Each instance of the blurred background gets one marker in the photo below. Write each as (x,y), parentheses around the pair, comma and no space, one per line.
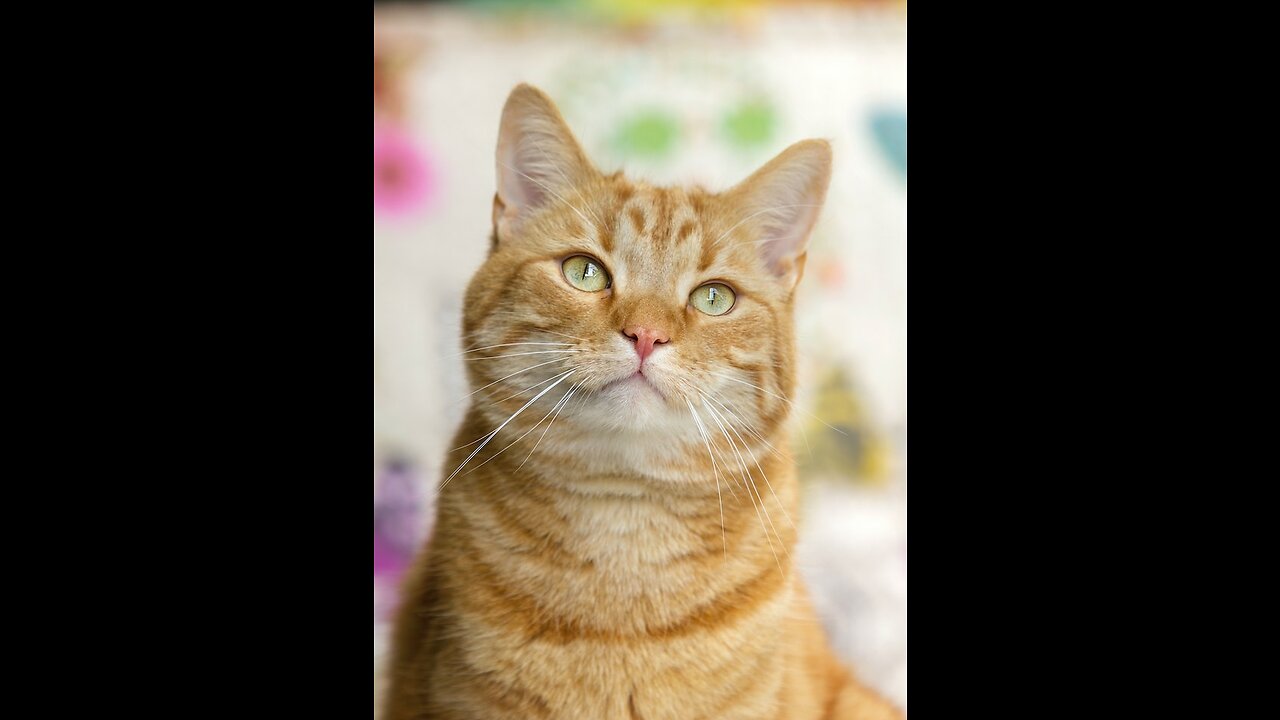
(671,91)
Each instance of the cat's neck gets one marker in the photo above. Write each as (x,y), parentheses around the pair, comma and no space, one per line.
(607,548)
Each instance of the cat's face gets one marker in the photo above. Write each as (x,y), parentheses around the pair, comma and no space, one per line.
(660,312)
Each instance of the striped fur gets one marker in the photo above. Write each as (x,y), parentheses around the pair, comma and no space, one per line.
(619,551)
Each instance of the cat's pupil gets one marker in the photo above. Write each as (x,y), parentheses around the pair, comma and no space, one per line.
(589,271)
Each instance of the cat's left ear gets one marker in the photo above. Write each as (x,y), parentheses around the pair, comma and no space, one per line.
(783,200)
(539,161)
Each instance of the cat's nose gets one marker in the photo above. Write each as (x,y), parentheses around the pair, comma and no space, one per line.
(644,338)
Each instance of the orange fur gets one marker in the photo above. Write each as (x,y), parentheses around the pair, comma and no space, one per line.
(629,555)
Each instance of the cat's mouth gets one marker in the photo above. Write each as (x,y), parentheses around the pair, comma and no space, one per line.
(636,382)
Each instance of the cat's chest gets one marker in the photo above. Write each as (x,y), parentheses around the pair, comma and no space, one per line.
(603,676)
(628,537)
(635,598)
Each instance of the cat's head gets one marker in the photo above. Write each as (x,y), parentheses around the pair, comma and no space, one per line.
(665,310)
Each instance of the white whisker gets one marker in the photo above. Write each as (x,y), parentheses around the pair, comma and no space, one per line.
(697,420)
(490,347)
(526,432)
(748,485)
(747,425)
(571,337)
(768,484)
(496,403)
(528,321)
(521,392)
(494,434)
(520,354)
(518,372)
(564,401)
(766,392)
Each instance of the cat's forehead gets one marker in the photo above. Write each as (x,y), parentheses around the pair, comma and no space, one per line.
(661,234)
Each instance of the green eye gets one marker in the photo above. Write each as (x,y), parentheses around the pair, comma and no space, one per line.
(585,273)
(712,298)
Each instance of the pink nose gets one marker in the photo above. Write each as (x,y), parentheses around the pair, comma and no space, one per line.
(644,338)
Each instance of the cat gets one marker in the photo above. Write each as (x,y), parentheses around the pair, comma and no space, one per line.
(617,521)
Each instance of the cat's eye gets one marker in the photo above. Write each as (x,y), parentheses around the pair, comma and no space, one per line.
(713,298)
(586,273)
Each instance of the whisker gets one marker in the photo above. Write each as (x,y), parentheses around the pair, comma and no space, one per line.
(698,421)
(766,392)
(749,427)
(571,337)
(490,347)
(805,434)
(768,484)
(561,406)
(521,392)
(748,485)
(733,446)
(526,318)
(526,432)
(496,403)
(520,354)
(706,436)
(518,372)
(494,434)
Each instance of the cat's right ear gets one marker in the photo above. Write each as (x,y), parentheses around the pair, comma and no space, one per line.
(539,161)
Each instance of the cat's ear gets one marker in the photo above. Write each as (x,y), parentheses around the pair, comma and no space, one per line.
(539,161)
(783,200)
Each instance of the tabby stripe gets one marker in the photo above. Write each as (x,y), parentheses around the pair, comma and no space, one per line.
(502,606)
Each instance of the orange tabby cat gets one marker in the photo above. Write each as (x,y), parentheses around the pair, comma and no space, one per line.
(615,537)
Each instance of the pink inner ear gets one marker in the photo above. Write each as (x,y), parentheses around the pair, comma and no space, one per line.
(784,237)
(516,190)
(787,194)
(537,157)
(533,194)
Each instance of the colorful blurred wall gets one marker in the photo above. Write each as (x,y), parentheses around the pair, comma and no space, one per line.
(673,92)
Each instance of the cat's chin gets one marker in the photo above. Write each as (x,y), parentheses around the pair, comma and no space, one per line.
(634,387)
(631,403)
